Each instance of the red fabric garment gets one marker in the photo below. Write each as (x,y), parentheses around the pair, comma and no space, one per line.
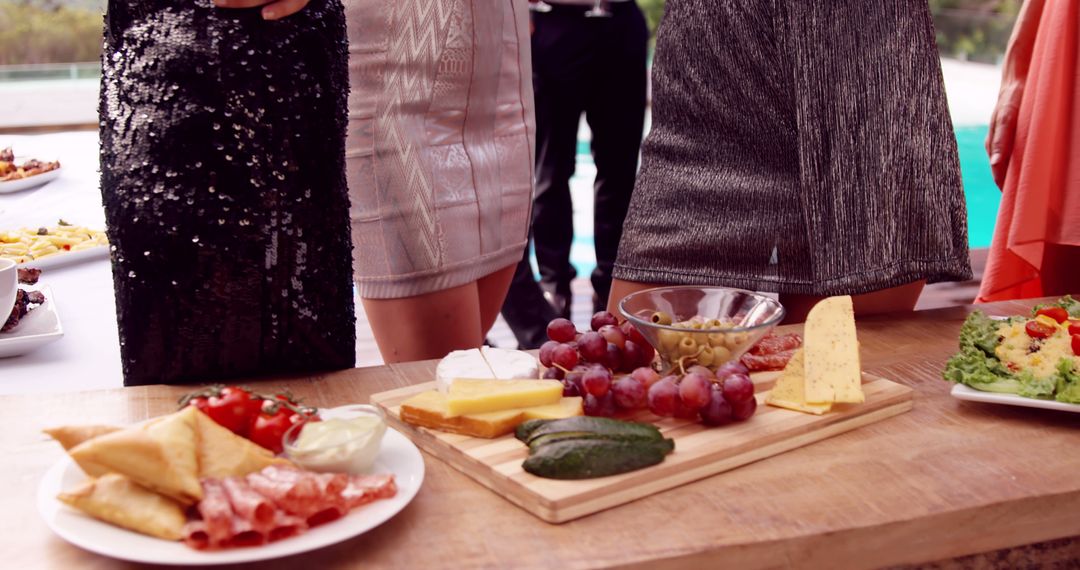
(1040,204)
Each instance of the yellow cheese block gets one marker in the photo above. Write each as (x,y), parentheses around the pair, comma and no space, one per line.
(831,353)
(428,409)
(790,389)
(565,408)
(482,396)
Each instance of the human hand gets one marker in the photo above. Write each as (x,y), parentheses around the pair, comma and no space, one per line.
(272,9)
(1001,137)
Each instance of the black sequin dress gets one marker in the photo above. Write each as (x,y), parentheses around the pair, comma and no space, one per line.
(797,146)
(222,172)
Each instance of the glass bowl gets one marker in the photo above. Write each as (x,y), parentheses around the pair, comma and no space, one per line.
(347,440)
(690,325)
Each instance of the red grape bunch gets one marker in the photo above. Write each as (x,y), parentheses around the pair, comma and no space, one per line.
(586,362)
(715,398)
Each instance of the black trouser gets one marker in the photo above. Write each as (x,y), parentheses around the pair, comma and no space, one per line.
(581,65)
(594,66)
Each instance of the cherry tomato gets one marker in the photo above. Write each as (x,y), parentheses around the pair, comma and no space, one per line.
(1057,313)
(269,426)
(1076,344)
(233,408)
(1074,326)
(202,403)
(1035,329)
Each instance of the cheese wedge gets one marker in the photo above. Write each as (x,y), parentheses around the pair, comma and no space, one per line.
(831,353)
(70,436)
(160,455)
(428,409)
(790,389)
(118,500)
(565,408)
(222,453)
(508,364)
(469,396)
(461,364)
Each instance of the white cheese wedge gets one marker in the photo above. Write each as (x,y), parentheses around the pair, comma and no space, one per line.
(509,364)
(831,353)
(461,364)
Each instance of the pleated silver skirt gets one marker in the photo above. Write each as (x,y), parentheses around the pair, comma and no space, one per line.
(797,147)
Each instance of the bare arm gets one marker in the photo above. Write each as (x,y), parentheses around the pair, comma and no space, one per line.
(1001,137)
(272,9)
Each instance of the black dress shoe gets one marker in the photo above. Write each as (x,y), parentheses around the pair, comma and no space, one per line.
(559,298)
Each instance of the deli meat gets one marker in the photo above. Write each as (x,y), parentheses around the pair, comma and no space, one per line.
(762,362)
(773,344)
(276,503)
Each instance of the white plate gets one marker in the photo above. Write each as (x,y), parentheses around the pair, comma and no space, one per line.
(963,392)
(38,328)
(69,257)
(398,456)
(29,182)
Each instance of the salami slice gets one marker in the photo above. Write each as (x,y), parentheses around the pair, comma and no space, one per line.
(248,503)
(763,362)
(363,489)
(773,344)
(245,533)
(284,525)
(216,512)
(195,535)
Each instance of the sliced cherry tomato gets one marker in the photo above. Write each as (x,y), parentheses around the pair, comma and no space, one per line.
(1035,329)
(1057,313)
(1076,344)
(234,408)
(1074,326)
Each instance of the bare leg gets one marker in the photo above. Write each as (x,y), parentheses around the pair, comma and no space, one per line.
(426,326)
(891,300)
(491,290)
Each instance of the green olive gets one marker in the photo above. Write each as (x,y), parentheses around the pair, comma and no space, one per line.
(669,341)
(720,355)
(660,318)
(716,339)
(687,346)
(706,356)
(735,340)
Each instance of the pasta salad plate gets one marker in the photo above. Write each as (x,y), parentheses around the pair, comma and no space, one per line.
(398,456)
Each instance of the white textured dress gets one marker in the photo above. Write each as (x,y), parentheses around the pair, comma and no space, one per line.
(440,141)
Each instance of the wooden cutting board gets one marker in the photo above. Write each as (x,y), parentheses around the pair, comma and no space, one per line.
(700,451)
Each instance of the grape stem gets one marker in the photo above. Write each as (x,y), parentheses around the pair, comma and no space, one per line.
(685,356)
(565,371)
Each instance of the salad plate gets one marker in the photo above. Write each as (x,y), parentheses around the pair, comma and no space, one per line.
(398,455)
(961,392)
(30,182)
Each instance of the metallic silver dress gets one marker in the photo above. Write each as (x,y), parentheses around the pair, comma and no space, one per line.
(797,147)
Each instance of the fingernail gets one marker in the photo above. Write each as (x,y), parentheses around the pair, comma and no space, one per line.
(221,3)
(269,15)
(995,158)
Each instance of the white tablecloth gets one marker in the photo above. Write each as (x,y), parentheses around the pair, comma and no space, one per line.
(88,357)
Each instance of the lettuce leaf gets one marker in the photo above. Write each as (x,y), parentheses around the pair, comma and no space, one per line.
(976,365)
(1067,302)
(1068,386)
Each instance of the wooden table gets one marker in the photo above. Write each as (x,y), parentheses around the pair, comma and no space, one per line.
(947,479)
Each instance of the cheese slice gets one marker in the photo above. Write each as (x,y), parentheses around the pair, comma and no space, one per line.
(428,409)
(831,353)
(508,364)
(565,408)
(461,364)
(469,396)
(790,389)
